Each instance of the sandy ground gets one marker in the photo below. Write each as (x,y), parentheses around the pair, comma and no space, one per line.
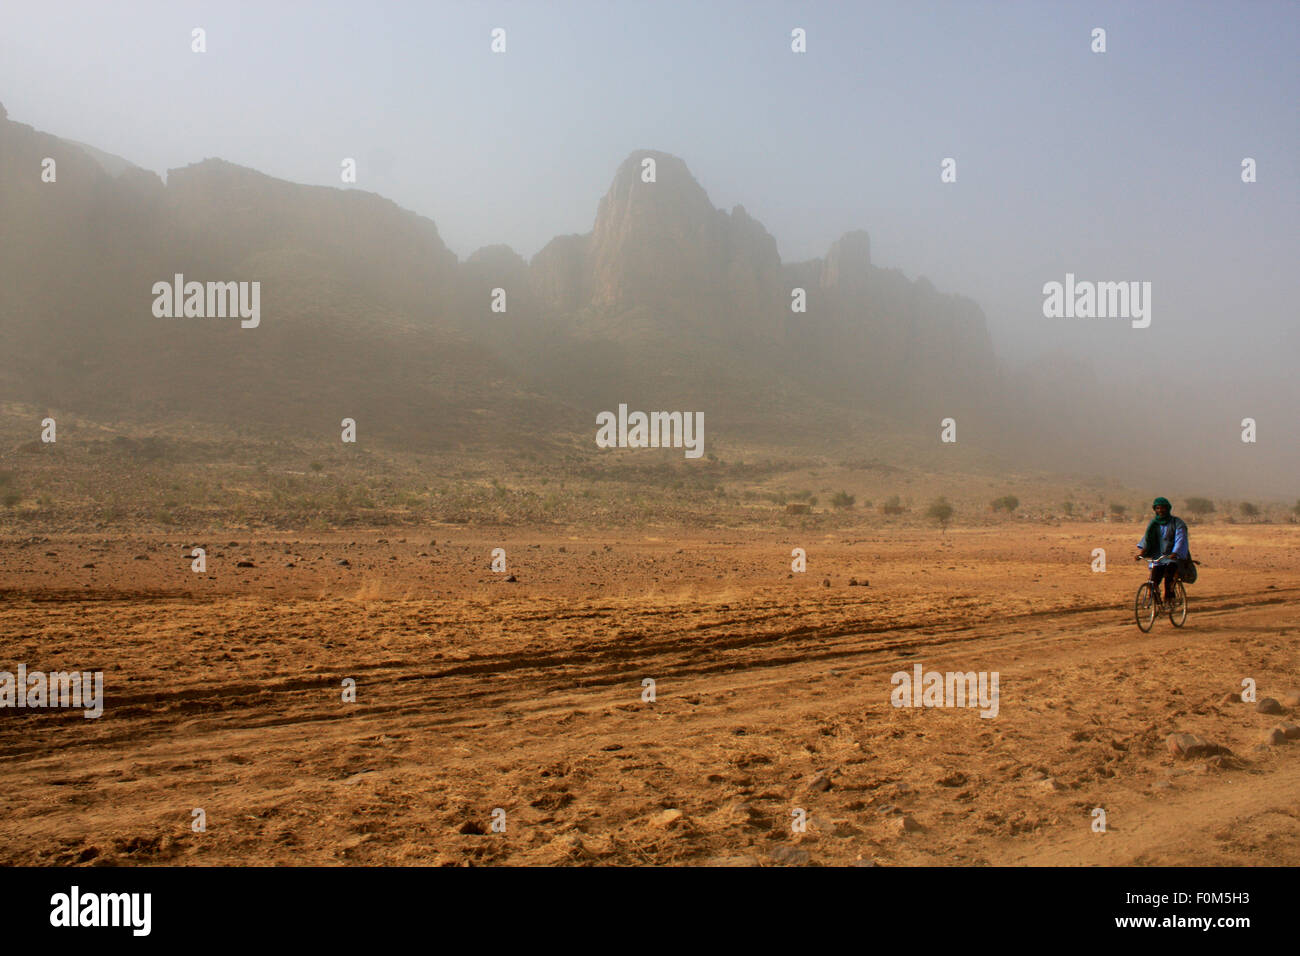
(223,691)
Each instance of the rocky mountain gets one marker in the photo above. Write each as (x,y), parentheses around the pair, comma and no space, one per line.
(668,303)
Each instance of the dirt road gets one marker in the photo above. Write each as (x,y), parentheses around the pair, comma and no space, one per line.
(224,692)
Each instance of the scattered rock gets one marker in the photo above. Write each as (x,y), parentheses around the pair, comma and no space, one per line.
(245,564)
(512,579)
(907,824)
(1227,700)
(1291,698)
(1292,731)
(1274,737)
(1051,785)
(91,565)
(826,582)
(1268,705)
(343,563)
(141,557)
(472,827)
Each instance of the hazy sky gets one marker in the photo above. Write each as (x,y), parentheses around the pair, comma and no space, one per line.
(1116,166)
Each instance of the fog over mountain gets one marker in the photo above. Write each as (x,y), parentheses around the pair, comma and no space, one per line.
(667,302)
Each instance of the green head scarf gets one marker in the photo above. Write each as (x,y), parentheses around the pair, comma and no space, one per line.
(1165,502)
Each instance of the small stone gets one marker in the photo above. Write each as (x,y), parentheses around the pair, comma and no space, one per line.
(819,782)
(826,582)
(245,564)
(472,827)
(343,563)
(512,579)
(1292,731)
(141,557)
(853,582)
(1291,698)
(1274,737)
(1227,700)
(1189,745)
(907,824)
(1051,785)
(666,819)
(91,565)
(1268,705)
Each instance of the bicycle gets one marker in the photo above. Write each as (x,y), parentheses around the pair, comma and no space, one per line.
(1148,605)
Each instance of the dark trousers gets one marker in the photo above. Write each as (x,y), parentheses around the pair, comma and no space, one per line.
(1166,573)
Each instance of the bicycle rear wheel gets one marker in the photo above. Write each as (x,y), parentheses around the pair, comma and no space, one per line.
(1178,608)
(1144,607)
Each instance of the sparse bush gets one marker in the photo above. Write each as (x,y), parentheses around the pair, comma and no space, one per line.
(6,479)
(842,499)
(1200,506)
(892,506)
(1248,510)
(11,499)
(317,467)
(940,511)
(1007,503)
(1118,509)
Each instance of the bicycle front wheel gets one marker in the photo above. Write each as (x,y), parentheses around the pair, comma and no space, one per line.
(1178,608)
(1144,607)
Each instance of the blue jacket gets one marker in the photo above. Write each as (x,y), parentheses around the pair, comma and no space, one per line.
(1174,540)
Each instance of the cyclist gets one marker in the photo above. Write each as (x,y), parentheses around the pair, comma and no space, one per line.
(1165,540)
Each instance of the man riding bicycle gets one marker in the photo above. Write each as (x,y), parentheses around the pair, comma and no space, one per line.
(1166,541)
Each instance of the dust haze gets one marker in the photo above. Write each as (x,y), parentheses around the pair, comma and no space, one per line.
(498,357)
